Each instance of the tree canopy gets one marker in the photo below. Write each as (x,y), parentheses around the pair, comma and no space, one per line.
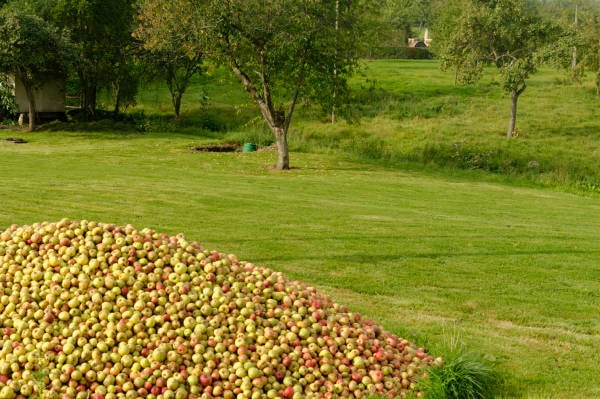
(283,49)
(100,30)
(173,41)
(508,34)
(32,50)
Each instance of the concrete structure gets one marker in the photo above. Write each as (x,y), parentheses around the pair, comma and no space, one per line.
(50,99)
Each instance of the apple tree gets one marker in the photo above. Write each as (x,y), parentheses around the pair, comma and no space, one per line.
(31,50)
(578,49)
(283,50)
(507,34)
(453,48)
(173,41)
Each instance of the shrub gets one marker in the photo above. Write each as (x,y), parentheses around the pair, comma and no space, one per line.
(8,107)
(467,376)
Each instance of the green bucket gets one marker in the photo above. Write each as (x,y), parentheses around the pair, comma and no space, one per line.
(249,147)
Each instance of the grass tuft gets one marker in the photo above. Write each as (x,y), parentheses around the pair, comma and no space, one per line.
(463,373)
(466,376)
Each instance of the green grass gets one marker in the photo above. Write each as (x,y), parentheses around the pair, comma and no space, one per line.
(411,115)
(408,114)
(513,269)
(467,376)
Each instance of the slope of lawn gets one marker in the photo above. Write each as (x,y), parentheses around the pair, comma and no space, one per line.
(408,114)
(513,272)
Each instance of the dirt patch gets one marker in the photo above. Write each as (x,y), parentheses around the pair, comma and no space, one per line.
(270,148)
(16,140)
(217,148)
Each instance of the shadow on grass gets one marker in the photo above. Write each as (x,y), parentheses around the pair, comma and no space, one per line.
(360,257)
(205,122)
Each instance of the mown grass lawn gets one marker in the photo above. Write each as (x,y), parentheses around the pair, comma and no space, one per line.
(513,271)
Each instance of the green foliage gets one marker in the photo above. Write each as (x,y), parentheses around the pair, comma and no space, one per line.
(576,48)
(125,85)
(173,43)
(33,51)
(7,98)
(285,50)
(301,52)
(506,33)
(461,373)
(465,376)
(31,48)
(391,23)
(455,48)
(101,31)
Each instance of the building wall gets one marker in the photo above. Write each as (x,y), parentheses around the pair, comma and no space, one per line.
(49,98)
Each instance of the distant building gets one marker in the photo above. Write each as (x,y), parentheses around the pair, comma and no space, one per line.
(425,42)
(50,99)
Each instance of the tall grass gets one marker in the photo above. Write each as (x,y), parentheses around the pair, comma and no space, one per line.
(462,374)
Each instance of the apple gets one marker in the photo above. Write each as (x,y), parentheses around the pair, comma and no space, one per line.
(112,311)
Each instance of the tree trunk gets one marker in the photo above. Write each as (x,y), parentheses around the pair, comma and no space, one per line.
(598,81)
(32,115)
(176,100)
(31,103)
(514,98)
(117,92)
(574,60)
(283,157)
(277,119)
(89,100)
(177,87)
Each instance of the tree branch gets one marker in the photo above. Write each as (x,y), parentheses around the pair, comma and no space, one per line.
(288,117)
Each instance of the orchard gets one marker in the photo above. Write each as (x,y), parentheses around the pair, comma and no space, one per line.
(93,310)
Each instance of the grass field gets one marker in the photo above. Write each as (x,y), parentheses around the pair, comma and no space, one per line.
(408,114)
(513,270)
(412,115)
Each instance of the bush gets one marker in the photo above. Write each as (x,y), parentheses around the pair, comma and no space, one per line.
(467,376)
(8,107)
(462,374)
(399,52)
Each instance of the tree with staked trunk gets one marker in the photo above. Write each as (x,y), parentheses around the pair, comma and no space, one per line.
(282,50)
(32,50)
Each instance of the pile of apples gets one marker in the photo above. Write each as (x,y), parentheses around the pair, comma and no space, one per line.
(100,311)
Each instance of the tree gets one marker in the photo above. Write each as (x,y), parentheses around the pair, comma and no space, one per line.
(32,50)
(171,34)
(455,49)
(408,13)
(580,38)
(283,49)
(101,33)
(505,33)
